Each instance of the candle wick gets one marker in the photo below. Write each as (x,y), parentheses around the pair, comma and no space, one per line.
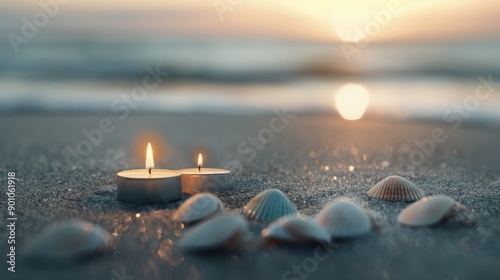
(199,169)
(150,171)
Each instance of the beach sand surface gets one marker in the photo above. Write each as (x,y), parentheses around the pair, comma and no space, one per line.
(313,159)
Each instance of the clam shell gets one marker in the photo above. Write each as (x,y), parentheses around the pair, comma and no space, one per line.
(344,219)
(396,188)
(429,211)
(198,207)
(224,232)
(68,242)
(269,205)
(295,230)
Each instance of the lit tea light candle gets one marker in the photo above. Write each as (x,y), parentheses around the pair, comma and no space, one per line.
(149,185)
(202,179)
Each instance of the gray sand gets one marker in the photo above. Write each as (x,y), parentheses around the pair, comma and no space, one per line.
(465,167)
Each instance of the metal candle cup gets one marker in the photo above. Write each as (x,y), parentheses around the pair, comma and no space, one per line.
(141,187)
(205,180)
(196,180)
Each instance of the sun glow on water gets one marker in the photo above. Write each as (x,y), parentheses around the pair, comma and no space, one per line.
(352,101)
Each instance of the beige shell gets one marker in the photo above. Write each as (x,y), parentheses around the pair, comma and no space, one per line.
(295,230)
(269,205)
(429,211)
(396,188)
(344,219)
(198,207)
(67,242)
(223,232)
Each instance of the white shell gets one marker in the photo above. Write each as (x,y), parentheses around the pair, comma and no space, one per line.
(344,219)
(198,207)
(223,232)
(269,205)
(295,230)
(429,211)
(396,188)
(68,242)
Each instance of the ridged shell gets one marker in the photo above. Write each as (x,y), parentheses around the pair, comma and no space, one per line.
(198,207)
(295,230)
(269,205)
(344,219)
(429,211)
(396,188)
(68,242)
(224,232)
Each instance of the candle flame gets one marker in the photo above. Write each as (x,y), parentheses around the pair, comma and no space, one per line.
(200,161)
(149,157)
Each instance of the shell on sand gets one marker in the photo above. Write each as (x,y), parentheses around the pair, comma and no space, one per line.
(198,207)
(429,211)
(396,188)
(223,232)
(344,219)
(269,205)
(295,230)
(68,242)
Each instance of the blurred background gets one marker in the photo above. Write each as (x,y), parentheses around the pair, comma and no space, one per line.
(380,58)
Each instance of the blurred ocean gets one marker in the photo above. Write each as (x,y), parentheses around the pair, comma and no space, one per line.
(88,73)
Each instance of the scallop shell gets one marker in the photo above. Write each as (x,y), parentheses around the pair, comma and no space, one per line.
(344,219)
(269,205)
(68,242)
(295,230)
(429,211)
(224,232)
(198,207)
(396,188)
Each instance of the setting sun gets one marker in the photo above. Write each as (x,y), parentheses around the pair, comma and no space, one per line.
(345,20)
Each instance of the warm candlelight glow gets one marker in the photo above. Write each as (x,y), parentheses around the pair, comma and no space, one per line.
(351,101)
(149,157)
(200,161)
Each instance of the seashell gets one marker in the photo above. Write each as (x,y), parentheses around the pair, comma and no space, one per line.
(269,205)
(429,211)
(295,230)
(68,242)
(224,232)
(396,188)
(198,207)
(344,219)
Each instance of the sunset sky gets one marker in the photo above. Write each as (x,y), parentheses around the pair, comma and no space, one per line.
(299,19)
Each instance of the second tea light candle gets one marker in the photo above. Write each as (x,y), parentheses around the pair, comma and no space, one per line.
(201,179)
